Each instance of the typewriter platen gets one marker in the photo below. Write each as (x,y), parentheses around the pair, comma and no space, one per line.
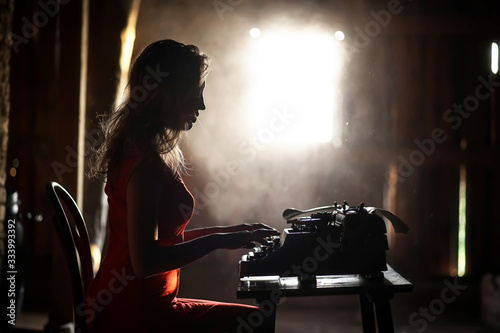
(340,240)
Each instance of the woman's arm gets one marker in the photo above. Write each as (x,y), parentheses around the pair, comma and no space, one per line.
(200,232)
(147,256)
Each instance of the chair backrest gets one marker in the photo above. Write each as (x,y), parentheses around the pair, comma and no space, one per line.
(72,231)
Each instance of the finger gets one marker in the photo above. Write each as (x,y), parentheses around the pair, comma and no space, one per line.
(263,241)
(267,232)
(249,245)
(253,226)
(260,237)
(263,226)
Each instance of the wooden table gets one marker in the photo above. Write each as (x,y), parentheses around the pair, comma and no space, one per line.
(374,295)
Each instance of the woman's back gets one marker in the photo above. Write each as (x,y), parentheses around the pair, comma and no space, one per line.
(116,289)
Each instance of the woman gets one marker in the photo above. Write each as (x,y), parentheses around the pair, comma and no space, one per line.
(135,289)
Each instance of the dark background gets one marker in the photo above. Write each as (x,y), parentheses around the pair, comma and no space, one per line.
(398,87)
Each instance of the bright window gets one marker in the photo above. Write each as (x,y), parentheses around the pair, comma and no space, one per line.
(297,72)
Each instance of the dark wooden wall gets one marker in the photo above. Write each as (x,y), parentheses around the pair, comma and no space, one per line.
(45,91)
(45,84)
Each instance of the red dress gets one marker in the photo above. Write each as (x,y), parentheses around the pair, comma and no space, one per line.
(118,301)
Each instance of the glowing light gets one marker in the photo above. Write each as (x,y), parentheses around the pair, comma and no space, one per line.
(296,75)
(255,33)
(95,252)
(494,58)
(462,221)
(82,103)
(128,39)
(339,35)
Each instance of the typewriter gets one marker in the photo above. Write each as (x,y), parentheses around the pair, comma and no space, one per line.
(332,240)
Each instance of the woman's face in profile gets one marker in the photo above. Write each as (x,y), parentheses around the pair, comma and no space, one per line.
(190,109)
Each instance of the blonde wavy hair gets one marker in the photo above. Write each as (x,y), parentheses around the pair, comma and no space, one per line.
(147,122)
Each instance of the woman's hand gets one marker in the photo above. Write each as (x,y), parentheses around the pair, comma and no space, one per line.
(245,239)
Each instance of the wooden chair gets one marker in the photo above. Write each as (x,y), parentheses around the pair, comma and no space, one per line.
(72,232)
